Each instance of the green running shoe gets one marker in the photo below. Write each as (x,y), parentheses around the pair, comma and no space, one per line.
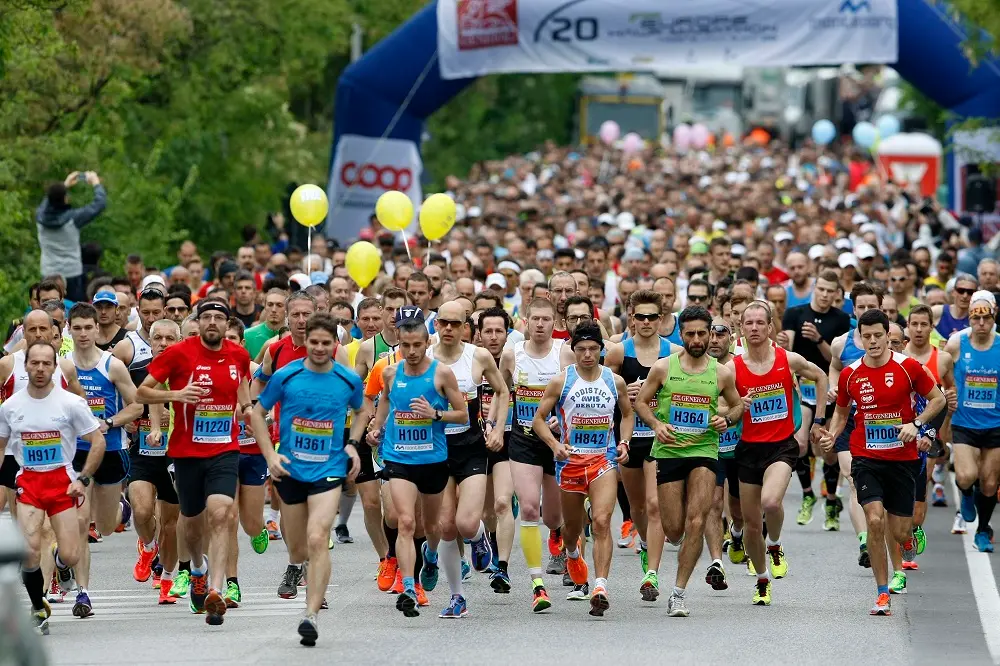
(650,587)
(259,542)
(832,521)
(918,534)
(182,581)
(644,560)
(898,583)
(806,512)
(233,596)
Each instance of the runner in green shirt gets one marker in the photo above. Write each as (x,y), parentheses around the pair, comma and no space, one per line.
(271,322)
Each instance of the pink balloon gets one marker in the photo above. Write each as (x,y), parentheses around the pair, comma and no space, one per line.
(609,132)
(682,137)
(632,143)
(699,136)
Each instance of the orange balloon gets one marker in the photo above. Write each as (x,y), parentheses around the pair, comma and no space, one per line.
(727,140)
(760,136)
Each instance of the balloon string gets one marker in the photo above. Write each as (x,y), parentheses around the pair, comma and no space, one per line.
(406,244)
(309,250)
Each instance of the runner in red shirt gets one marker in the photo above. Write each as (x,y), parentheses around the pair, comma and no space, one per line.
(209,390)
(886,438)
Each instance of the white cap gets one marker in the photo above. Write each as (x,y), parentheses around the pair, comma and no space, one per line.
(606,218)
(787,216)
(625,221)
(153,279)
(719,225)
(983,295)
(300,279)
(859,218)
(865,251)
(816,251)
(783,236)
(843,244)
(848,259)
(474,211)
(868,227)
(496,280)
(704,181)
(738,250)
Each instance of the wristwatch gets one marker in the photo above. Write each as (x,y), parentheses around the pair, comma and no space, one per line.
(437,415)
(918,424)
(490,422)
(84,479)
(729,422)
(110,422)
(819,420)
(353,442)
(624,443)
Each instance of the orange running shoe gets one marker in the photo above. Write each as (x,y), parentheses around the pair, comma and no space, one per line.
(387,569)
(577,568)
(93,536)
(421,595)
(273,530)
(397,584)
(627,539)
(910,565)
(215,607)
(156,579)
(143,568)
(165,597)
(555,544)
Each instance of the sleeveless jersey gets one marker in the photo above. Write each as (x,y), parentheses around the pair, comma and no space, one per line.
(851,351)
(674,336)
(632,371)
(976,381)
(688,403)
(119,336)
(531,376)
(18,378)
(382,348)
(948,324)
(486,400)
(103,399)
(140,447)
(410,438)
(770,418)
(586,412)
(141,351)
(470,432)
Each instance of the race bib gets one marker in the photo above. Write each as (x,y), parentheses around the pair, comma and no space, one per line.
(528,399)
(882,431)
(639,429)
(42,448)
(244,438)
(770,405)
(689,413)
(146,449)
(413,432)
(96,407)
(808,389)
(980,392)
(588,435)
(729,439)
(213,424)
(311,440)
(487,399)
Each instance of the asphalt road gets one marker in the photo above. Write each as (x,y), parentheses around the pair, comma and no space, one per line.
(819,613)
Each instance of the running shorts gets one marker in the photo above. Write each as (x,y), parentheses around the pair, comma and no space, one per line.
(293,491)
(430,479)
(114,467)
(576,477)
(892,482)
(45,491)
(252,469)
(671,470)
(988,438)
(8,472)
(467,460)
(639,450)
(199,478)
(153,470)
(754,458)
(532,453)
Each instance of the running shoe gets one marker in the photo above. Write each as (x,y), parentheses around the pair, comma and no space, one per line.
(959,526)
(165,598)
(762,592)
(751,569)
(921,539)
(41,618)
(737,551)
(387,573)
(779,563)
(599,601)
(967,507)
(182,583)
(982,542)
(430,572)
(82,608)
(938,498)
(567,580)
(143,568)
(343,534)
(56,594)
(233,596)
(832,521)
(882,605)
(864,559)
(500,581)
(806,510)
(259,542)
(457,609)
(67,577)
(397,584)
(93,536)
(466,569)
(515,506)
(909,549)
(215,608)
(644,560)
(716,577)
(628,535)
(910,565)
(273,530)
(539,597)
(199,591)
(650,586)
(579,593)
(308,633)
(157,574)
(406,603)
(937,474)
(555,544)
(482,552)
(577,569)
(421,596)
(676,606)
(289,586)
(898,583)
(557,563)
(126,511)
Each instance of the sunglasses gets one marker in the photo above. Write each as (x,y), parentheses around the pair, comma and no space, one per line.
(448,323)
(899,279)
(721,329)
(645,317)
(965,292)
(178,308)
(698,299)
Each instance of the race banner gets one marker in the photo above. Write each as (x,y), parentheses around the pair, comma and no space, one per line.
(363,169)
(479,37)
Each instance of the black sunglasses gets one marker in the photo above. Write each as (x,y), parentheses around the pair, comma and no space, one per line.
(646,317)
(721,329)
(446,323)
(698,299)
(964,291)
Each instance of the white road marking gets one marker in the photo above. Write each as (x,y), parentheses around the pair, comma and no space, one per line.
(984,587)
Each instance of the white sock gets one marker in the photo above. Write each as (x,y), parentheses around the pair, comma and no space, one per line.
(450,560)
(346,506)
(601,582)
(272,514)
(573,554)
(735,533)
(772,543)
(480,532)
(678,592)
(149,547)
(643,544)
(167,575)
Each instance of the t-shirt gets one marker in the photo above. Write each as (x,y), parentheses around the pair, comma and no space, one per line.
(374,383)
(883,397)
(792,300)
(830,324)
(256,337)
(207,428)
(42,433)
(248,319)
(313,406)
(775,275)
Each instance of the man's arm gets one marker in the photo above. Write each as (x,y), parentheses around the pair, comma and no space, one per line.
(447,385)
(123,382)
(566,357)
(262,375)
(654,381)
(614,357)
(124,351)
(807,370)
(364,360)
(549,399)
(96,453)
(625,407)
(85,214)
(72,380)
(836,367)
(501,394)
(727,387)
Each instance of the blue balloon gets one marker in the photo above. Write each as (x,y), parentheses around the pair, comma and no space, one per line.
(823,132)
(864,134)
(888,126)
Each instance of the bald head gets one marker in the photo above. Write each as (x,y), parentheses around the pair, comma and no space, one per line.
(38,325)
(452,310)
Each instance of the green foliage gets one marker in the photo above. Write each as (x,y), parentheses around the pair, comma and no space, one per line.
(924,107)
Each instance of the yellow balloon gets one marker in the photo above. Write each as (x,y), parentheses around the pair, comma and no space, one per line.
(394,210)
(309,205)
(363,263)
(437,216)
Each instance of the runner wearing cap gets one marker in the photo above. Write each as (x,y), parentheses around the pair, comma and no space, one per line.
(109,333)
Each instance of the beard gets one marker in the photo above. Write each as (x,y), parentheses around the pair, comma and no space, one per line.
(696,352)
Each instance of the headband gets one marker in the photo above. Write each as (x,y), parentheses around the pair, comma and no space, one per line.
(213,306)
(589,333)
(508,265)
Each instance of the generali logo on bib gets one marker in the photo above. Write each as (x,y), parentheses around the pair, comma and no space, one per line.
(483,24)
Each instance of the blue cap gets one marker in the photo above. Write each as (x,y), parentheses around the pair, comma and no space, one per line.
(319,277)
(105,297)
(409,314)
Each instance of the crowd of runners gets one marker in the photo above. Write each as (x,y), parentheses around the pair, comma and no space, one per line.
(678,340)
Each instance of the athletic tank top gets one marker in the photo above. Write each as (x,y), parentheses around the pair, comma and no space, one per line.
(770,418)
(851,351)
(976,381)
(586,414)
(103,399)
(486,394)
(674,336)
(948,324)
(140,447)
(411,438)
(119,336)
(462,434)
(18,380)
(688,403)
(382,348)
(919,401)
(141,351)
(531,376)
(632,371)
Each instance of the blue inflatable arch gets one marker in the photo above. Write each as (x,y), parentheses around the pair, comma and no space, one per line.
(372,93)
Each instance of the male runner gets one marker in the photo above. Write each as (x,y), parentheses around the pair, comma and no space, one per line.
(270,322)
(135,349)
(950,319)
(528,367)
(386,341)
(42,424)
(975,425)
(586,396)
(687,423)
(109,333)
(415,449)
(461,508)
(768,449)
(315,394)
(885,440)
(209,389)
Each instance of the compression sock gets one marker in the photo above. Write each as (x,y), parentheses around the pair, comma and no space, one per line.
(984,509)
(451,562)
(802,470)
(831,474)
(391,533)
(418,547)
(531,546)
(34,583)
(346,506)
(623,502)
